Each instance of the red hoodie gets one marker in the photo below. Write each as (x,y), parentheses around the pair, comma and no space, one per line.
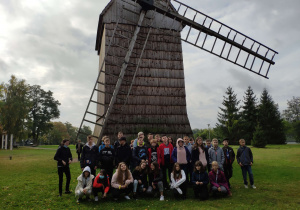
(97,184)
(161,153)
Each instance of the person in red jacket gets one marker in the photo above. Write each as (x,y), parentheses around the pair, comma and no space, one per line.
(164,153)
(101,184)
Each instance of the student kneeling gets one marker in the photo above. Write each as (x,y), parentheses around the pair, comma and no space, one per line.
(84,186)
(156,180)
(200,181)
(178,183)
(101,184)
(140,182)
(121,182)
(218,182)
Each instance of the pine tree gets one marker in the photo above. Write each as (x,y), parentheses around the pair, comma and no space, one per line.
(259,139)
(270,120)
(229,117)
(249,114)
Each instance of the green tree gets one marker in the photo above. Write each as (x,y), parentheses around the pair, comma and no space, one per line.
(292,116)
(14,107)
(72,131)
(86,130)
(43,109)
(57,133)
(249,114)
(229,117)
(259,139)
(270,120)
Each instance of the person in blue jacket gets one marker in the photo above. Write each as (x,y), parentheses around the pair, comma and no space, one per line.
(200,181)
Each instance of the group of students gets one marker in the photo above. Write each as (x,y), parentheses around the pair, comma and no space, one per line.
(143,169)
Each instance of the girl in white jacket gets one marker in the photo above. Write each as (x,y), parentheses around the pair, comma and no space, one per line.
(178,182)
(85,184)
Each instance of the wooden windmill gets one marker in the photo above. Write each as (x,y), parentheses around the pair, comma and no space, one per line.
(140,85)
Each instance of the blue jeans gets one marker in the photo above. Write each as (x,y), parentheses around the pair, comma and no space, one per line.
(248,169)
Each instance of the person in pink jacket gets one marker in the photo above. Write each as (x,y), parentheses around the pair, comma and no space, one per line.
(121,182)
(218,182)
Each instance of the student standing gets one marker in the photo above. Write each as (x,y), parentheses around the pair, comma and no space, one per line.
(189,167)
(164,154)
(215,153)
(117,143)
(152,152)
(101,184)
(229,159)
(121,182)
(140,136)
(106,158)
(89,156)
(200,181)
(181,155)
(140,182)
(63,156)
(244,158)
(84,186)
(200,153)
(178,183)
(79,148)
(139,153)
(156,180)
(123,152)
(218,182)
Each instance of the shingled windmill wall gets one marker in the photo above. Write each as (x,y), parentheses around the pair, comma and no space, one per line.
(157,102)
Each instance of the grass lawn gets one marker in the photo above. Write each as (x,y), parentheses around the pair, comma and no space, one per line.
(30,181)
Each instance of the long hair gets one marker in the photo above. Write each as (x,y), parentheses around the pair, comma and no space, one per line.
(156,168)
(177,174)
(103,181)
(120,173)
(199,163)
(63,142)
(139,168)
(196,145)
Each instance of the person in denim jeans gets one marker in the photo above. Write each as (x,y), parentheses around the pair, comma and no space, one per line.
(245,160)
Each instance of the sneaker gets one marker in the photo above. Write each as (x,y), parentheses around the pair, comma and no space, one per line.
(246,186)
(78,200)
(162,198)
(68,192)
(96,198)
(127,197)
(253,186)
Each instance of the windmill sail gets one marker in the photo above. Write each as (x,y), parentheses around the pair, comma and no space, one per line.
(209,34)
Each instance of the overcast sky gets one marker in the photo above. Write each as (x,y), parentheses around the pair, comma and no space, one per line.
(51,43)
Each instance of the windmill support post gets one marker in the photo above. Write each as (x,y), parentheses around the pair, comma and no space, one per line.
(11,141)
(6,138)
(3,141)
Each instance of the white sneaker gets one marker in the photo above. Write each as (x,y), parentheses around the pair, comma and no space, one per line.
(127,197)
(96,198)
(162,198)
(253,186)
(246,186)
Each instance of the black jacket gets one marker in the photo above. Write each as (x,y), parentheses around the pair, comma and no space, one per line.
(79,148)
(63,154)
(230,160)
(89,156)
(123,154)
(155,178)
(137,175)
(107,157)
(200,177)
(195,155)
(244,156)
(139,154)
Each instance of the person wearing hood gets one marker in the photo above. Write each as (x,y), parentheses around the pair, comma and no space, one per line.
(63,156)
(84,186)
(218,182)
(123,152)
(181,155)
(121,182)
(89,156)
(216,154)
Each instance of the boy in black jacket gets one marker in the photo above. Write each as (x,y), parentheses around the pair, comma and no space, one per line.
(123,152)
(89,156)
(244,158)
(106,158)
(229,159)
(139,153)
